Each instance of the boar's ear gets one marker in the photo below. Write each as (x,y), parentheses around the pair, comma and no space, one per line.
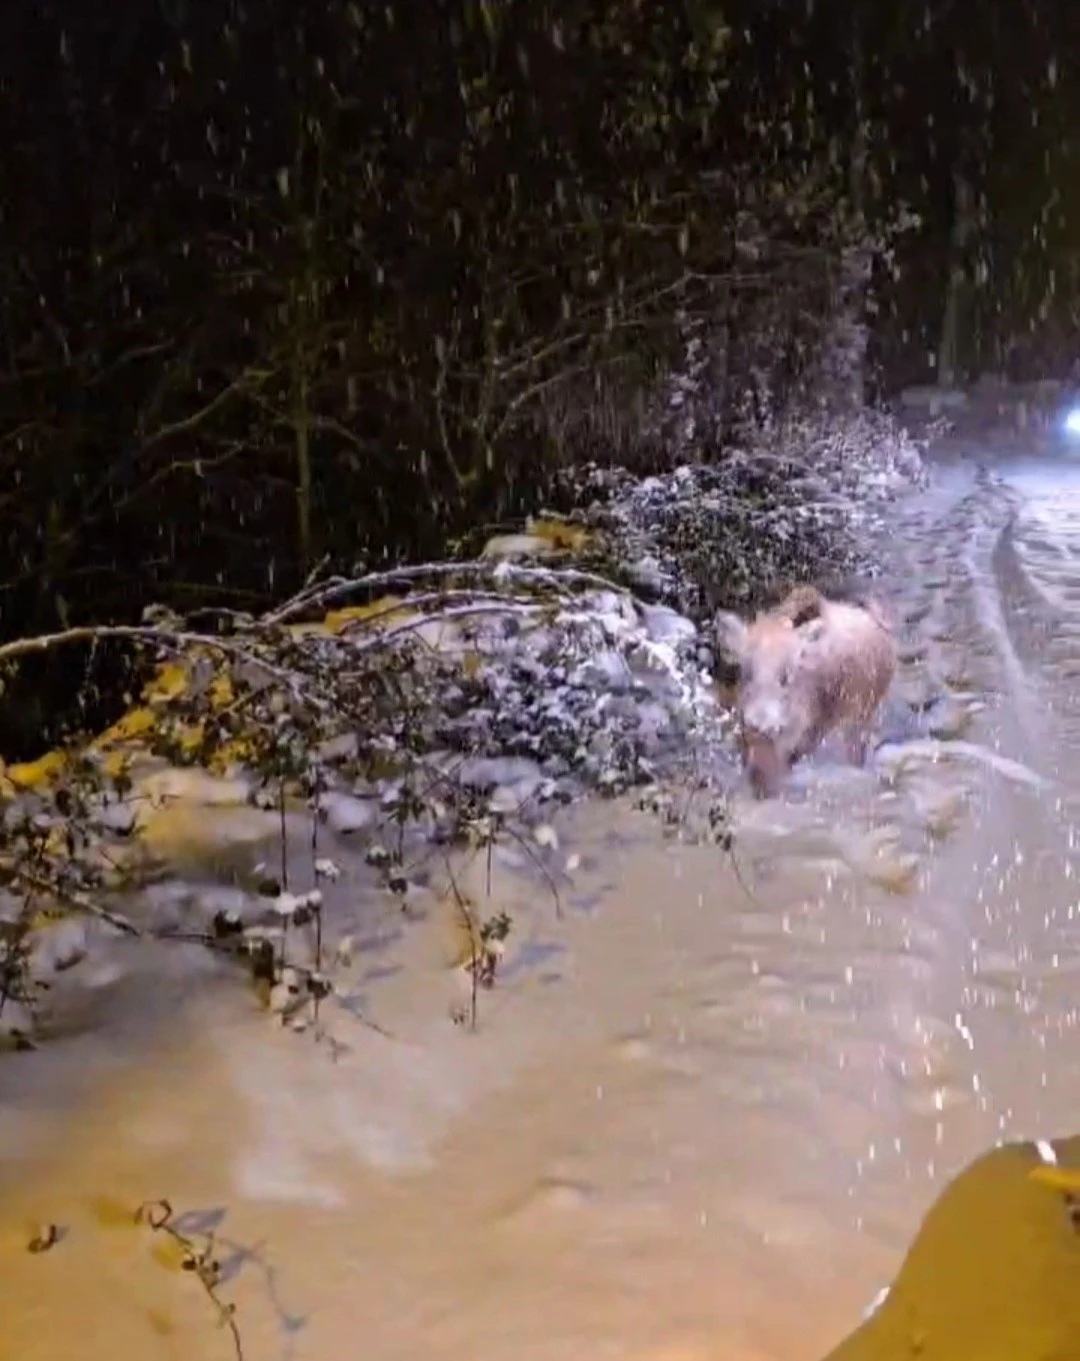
(801,604)
(729,636)
(813,630)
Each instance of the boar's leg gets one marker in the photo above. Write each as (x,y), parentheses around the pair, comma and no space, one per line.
(857,743)
(814,734)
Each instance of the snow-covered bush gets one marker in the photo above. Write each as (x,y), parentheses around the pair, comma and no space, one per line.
(439,722)
(800,503)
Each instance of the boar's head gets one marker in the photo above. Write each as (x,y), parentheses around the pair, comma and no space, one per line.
(779,698)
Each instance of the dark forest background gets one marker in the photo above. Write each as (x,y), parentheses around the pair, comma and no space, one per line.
(356,279)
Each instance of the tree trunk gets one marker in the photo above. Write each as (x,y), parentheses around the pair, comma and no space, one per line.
(857,171)
(948,357)
(302,435)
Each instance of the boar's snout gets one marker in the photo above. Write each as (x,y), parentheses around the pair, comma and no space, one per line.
(764,763)
(765,714)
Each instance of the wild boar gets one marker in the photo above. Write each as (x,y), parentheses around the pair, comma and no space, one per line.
(806,667)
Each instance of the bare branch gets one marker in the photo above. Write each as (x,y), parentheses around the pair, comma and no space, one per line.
(340,588)
(196,419)
(176,641)
(79,901)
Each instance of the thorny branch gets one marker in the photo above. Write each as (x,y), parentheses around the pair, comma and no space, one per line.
(199,1261)
(291,691)
(331,592)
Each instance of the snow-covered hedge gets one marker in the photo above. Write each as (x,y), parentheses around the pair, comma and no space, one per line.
(800,503)
(442,721)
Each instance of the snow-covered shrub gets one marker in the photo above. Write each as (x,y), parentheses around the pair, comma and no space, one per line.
(466,711)
(800,503)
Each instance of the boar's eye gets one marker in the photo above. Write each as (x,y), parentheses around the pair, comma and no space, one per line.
(785,675)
